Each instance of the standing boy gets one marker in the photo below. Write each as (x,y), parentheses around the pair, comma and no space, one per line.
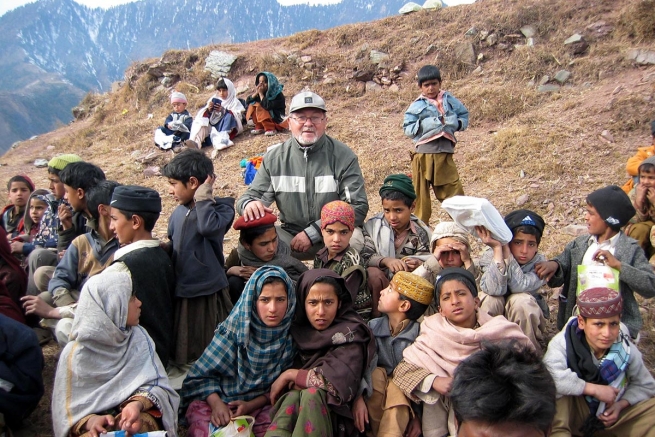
(608,209)
(196,230)
(395,239)
(431,121)
(602,382)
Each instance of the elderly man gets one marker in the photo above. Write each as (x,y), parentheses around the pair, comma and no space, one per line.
(304,173)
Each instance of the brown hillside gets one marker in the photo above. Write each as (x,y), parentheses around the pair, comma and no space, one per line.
(520,141)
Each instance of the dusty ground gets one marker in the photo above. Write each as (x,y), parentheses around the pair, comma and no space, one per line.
(547,146)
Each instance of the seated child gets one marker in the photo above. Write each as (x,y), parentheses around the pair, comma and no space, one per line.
(394,239)
(40,224)
(88,255)
(426,372)
(602,382)
(509,285)
(177,126)
(608,209)
(220,119)
(337,226)
(14,279)
(450,248)
(259,245)
(109,376)
(19,189)
(643,200)
(381,402)
(632,166)
(266,107)
(431,121)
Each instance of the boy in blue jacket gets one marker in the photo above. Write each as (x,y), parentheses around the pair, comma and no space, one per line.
(431,121)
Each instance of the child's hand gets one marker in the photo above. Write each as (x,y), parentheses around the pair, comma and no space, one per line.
(17,247)
(130,417)
(97,425)
(650,195)
(412,263)
(239,408)
(283,382)
(442,384)
(603,393)
(244,272)
(36,305)
(486,237)
(606,257)
(546,269)
(65,216)
(393,264)
(210,179)
(360,414)
(413,428)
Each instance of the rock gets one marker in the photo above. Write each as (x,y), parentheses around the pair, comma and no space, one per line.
(472,31)
(151,171)
(600,28)
(484,34)
(522,200)
(155,71)
(50,147)
(378,57)
(535,186)
(329,81)
(531,83)
(562,76)
(575,38)
(530,42)
(492,39)
(40,163)
(309,65)
(242,89)
(372,86)
(409,8)
(429,49)
(551,206)
(34,137)
(618,89)
(528,31)
(432,4)
(544,80)
(478,70)
(574,230)
(398,68)
(117,86)
(356,89)
(578,48)
(641,56)
(394,88)
(79,112)
(363,75)
(480,57)
(503,46)
(521,174)
(465,53)
(385,81)
(548,88)
(306,58)
(219,63)
(607,136)
(15,145)
(166,81)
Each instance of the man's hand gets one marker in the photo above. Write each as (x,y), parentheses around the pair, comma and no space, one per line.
(394,264)
(360,413)
(301,242)
(65,216)
(546,269)
(254,210)
(36,305)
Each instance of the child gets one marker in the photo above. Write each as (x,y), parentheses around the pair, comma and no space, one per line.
(602,382)
(196,230)
(383,405)
(632,166)
(177,125)
(394,239)
(220,119)
(40,224)
(608,209)
(134,213)
(509,285)
(19,189)
(88,255)
(266,106)
(431,121)
(426,372)
(337,226)
(643,200)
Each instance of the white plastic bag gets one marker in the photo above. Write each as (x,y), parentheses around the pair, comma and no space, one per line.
(220,140)
(238,427)
(470,212)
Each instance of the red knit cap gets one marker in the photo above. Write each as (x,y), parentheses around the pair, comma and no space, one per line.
(338,211)
(267,220)
(600,303)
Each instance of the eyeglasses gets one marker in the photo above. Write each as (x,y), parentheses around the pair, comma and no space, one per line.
(302,119)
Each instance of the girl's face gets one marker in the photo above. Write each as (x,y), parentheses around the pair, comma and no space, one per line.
(262,83)
(457,304)
(37,209)
(272,304)
(222,93)
(321,305)
(133,311)
(19,193)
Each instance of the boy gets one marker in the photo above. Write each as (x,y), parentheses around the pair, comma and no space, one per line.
(196,230)
(608,209)
(431,121)
(643,200)
(19,189)
(509,285)
(602,382)
(134,212)
(381,402)
(177,126)
(632,166)
(394,239)
(88,255)
(337,226)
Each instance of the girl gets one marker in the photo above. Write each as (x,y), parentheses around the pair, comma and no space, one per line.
(40,224)
(266,106)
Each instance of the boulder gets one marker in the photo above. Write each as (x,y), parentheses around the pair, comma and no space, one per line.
(492,39)
(472,31)
(544,79)
(155,71)
(575,38)
(548,88)
(409,8)
(329,81)
(574,230)
(529,31)
(378,57)
(607,136)
(562,76)
(372,86)
(465,53)
(522,200)
(641,56)
(363,75)
(219,63)
(432,4)
(40,163)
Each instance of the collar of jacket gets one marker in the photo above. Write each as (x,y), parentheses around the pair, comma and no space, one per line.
(308,150)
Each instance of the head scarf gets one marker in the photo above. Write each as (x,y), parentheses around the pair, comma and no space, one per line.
(274,86)
(49,223)
(338,211)
(245,356)
(340,353)
(231,103)
(107,361)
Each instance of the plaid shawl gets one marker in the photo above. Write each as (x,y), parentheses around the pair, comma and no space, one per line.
(245,356)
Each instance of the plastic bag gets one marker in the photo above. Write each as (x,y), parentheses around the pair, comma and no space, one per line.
(238,427)
(597,276)
(220,140)
(470,212)
(250,173)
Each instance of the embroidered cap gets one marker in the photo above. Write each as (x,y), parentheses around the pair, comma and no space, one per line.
(338,211)
(600,303)
(307,99)
(414,287)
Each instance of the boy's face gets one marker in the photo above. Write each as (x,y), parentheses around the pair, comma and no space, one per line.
(600,333)
(264,247)
(430,88)
(19,193)
(37,209)
(181,192)
(222,93)
(75,198)
(523,247)
(647,178)
(179,107)
(457,304)
(449,258)
(390,301)
(397,213)
(56,186)
(123,228)
(595,224)
(336,237)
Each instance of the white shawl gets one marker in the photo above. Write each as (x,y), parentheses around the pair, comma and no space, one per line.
(106,361)
(231,103)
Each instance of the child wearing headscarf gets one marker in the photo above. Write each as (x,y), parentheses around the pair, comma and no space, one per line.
(177,125)
(41,224)
(267,106)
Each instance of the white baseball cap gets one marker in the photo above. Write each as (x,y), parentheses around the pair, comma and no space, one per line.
(307,99)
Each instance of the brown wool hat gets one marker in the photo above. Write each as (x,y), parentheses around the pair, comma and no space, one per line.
(414,287)
(267,220)
(600,303)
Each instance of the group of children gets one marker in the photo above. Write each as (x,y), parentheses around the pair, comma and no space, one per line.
(129,309)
